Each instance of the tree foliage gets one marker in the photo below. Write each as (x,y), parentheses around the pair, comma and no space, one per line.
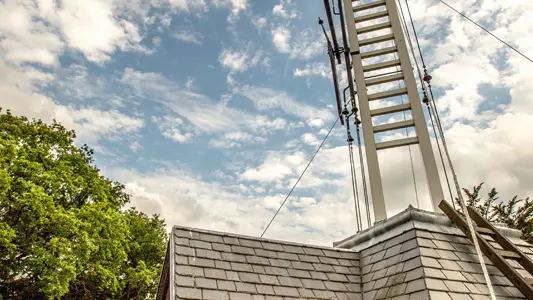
(64,230)
(516,213)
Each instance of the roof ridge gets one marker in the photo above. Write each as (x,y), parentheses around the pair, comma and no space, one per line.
(241,236)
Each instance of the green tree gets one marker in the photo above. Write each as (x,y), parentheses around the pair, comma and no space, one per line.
(516,213)
(64,229)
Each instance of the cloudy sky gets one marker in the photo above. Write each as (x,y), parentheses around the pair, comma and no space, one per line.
(208,110)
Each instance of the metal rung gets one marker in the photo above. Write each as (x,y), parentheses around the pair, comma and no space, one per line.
(390,109)
(384,79)
(373,28)
(378,52)
(379,14)
(396,143)
(387,94)
(394,126)
(369,5)
(508,254)
(382,65)
(375,40)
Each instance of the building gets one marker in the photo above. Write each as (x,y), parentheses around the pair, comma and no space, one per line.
(413,255)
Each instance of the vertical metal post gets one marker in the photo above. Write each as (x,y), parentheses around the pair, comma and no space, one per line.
(428,157)
(376,187)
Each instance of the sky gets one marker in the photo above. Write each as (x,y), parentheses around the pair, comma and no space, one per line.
(208,110)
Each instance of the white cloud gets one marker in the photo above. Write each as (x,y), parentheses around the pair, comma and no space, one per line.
(189,36)
(281,38)
(240,60)
(313,69)
(281,10)
(235,6)
(316,123)
(236,139)
(267,98)
(173,128)
(259,22)
(310,139)
(308,44)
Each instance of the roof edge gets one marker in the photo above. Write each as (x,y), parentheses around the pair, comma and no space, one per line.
(240,236)
(417,217)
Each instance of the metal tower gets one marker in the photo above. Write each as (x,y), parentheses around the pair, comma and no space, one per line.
(373,19)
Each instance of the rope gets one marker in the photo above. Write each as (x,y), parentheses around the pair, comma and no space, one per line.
(424,90)
(409,147)
(454,175)
(365,192)
(301,175)
(487,31)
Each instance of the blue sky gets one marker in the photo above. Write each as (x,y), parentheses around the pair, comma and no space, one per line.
(208,110)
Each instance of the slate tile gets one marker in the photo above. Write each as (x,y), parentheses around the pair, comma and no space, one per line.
(276,271)
(266,253)
(241,267)
(456,296)
(182,250)
(430,262)
(449,265)
(240,296)
(306,293)
(411,254)
(456,286)
(230,240)
(439,295)
(249,277)
(205,283)
(201,262)
(211,238)
(288,256)
(353,287)
(313,284)
(200,244)
(184,280)
(412,264)
(397,290)
(250,243)
(454,275)
(290,281)
(313,251)
(225,285)
(414,274)
(242,250)
(258,260)
(189,293)
(280,263)
(415,286)
(272,246)
(336,277)
(293,249)
(245,287)
(215,273)
(314,259)
(341,269)
(429,252)
(268,279)
(425,243)
(447,254)
(396,279)
(323,268)
(232,275)
(380,283)
(208,254)
(258,269)
(421,295)
(219,264)
(324,294)
(335,286)
(186,233)
(299,273)
(189,270)
(233,257)
(332,253)
(434,273)
(181,260)
(328,260)
(265,289)
(221,247)
(286,291)
(215,295)
(435,284)
(342,262)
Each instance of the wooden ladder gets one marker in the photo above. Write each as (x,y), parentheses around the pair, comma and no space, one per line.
(497,257)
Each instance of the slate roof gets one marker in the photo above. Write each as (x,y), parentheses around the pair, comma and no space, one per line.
(215,265)
(415,255)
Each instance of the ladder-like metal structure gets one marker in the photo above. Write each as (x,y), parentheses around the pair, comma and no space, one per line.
(497,256)
(387,12)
